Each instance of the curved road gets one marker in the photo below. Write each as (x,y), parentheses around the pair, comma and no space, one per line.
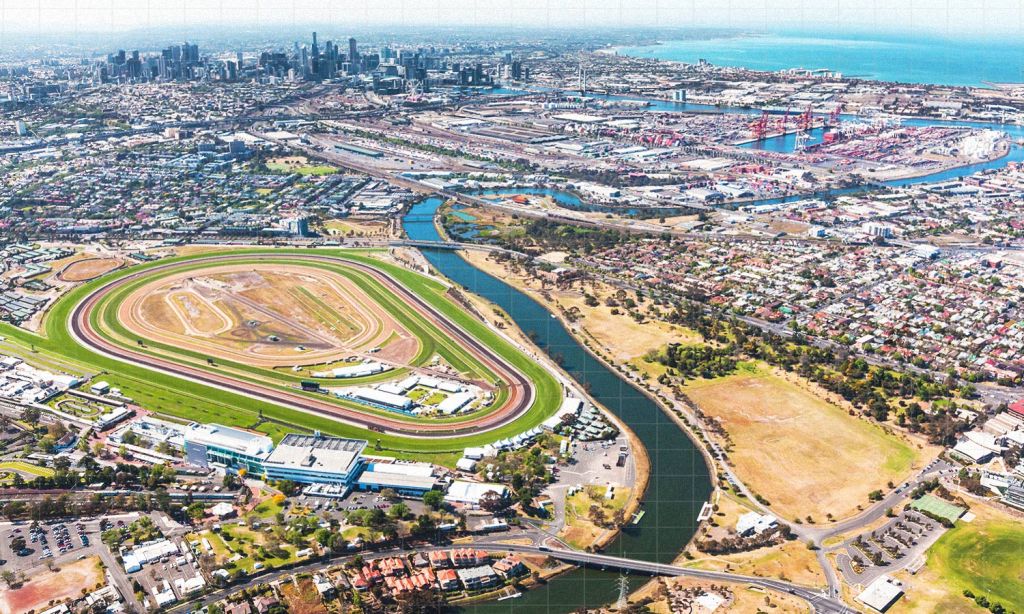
(521,389)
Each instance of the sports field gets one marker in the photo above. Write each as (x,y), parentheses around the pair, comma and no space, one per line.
(115,319)
(985,556)
(938,507)
(801,453)
(300,165)
(444,329)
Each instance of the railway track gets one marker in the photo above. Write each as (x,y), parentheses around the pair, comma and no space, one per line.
(521,390)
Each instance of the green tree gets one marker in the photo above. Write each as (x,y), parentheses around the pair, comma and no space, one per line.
(196,511)
(323,536)
(434,499)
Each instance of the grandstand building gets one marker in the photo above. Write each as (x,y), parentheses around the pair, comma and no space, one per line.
(315,459)
(214,445)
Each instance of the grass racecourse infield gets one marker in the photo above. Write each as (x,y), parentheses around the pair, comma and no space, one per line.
(173,396)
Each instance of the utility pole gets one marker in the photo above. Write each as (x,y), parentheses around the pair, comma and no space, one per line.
(622,601)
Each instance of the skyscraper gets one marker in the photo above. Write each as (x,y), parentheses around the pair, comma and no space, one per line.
(314,60)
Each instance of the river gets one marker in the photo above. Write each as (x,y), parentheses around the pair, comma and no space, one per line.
(679,481)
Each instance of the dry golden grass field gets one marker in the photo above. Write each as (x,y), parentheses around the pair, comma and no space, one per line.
(806,456)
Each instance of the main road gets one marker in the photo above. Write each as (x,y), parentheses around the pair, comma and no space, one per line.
(818,601)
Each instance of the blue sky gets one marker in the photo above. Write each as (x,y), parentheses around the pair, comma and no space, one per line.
(951,18)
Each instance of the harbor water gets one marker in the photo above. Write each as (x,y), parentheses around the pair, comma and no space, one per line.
(922,59)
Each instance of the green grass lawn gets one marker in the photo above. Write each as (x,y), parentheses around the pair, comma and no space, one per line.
(435,398)
(305,169)
(350,533)
(24,467)
(268,509)
(985,556)
(175,397)
(244,542)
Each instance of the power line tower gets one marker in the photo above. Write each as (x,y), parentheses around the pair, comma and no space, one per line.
(622,602)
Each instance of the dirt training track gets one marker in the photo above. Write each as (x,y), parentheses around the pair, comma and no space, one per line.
(172,308)
(521,389)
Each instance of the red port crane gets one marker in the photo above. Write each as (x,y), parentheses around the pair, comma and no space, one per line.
(784,122)
(833,117)
(760,127)
(806,119)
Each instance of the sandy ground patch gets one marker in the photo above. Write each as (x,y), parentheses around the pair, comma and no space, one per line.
(51,586)
(88,268)
(743,598)
(359,228)
(617,333)
(302,598)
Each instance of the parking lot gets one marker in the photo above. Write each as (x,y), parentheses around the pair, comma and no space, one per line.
(24,546)
(897,544)
(594,463)
(353,501)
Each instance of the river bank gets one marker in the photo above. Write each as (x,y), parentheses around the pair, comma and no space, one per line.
(641,461)
(679,482)
(507,326)
(588,340)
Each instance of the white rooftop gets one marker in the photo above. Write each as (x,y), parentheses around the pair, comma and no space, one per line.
(312,453)
(216,435)
(470,492)
(881,593)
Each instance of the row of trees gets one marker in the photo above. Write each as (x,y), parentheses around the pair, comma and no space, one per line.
(691,361)
(870,388)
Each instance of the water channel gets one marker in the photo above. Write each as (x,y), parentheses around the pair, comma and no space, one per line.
(679,482)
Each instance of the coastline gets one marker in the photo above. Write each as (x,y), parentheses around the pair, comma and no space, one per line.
(654,50)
